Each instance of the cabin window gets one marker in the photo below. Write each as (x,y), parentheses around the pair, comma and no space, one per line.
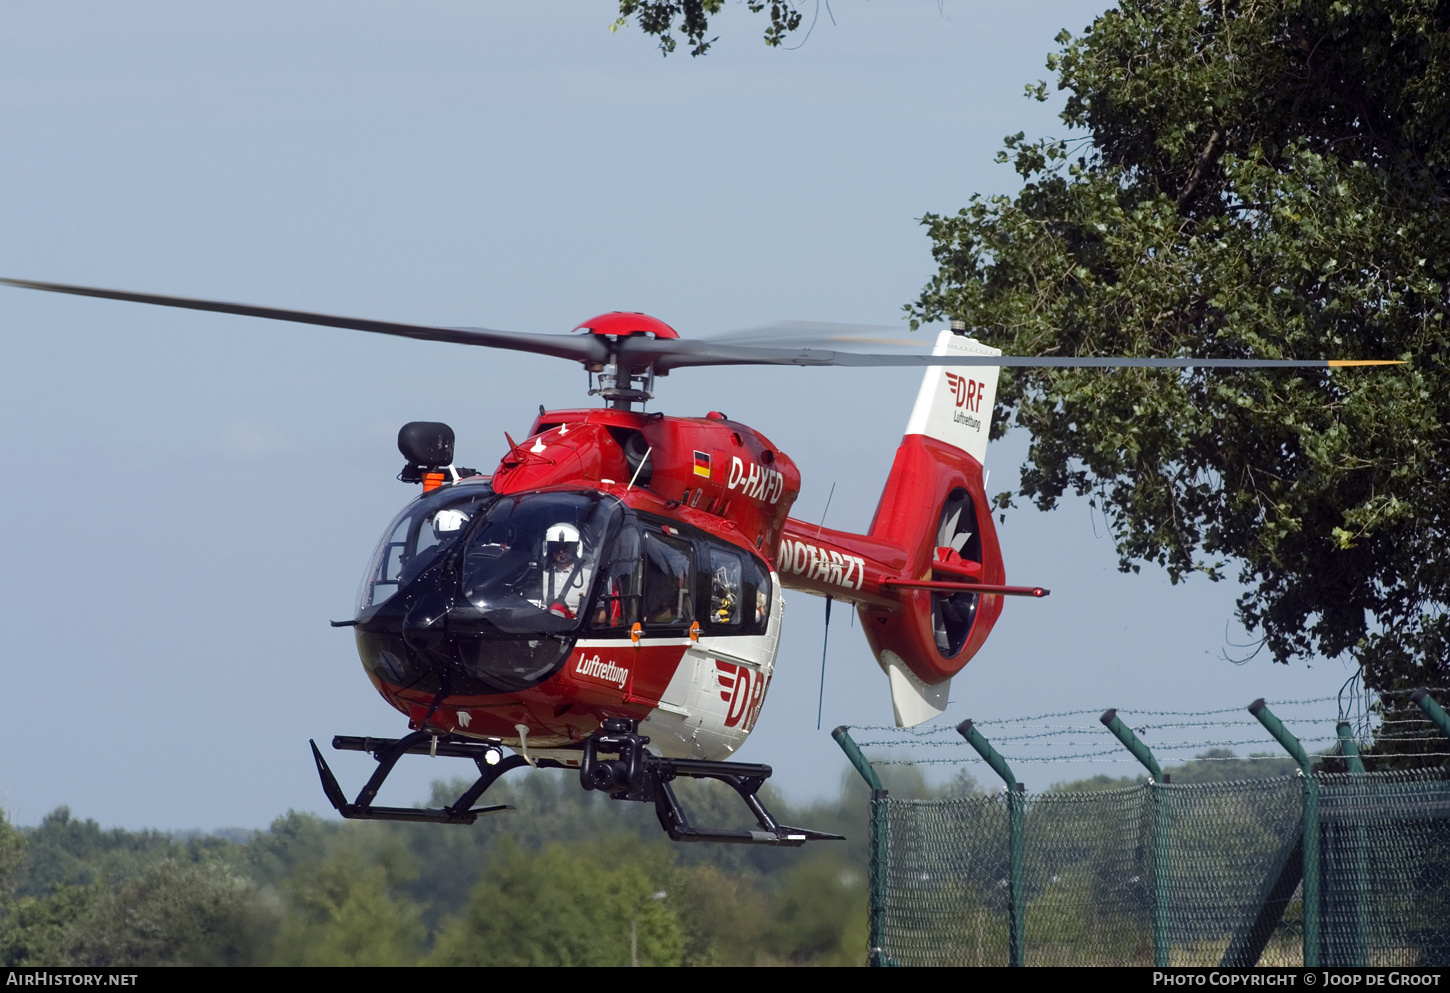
(736,588)
(756,594)
(669,573)
(722,581)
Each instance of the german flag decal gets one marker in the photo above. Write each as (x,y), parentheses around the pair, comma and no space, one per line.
(702,464)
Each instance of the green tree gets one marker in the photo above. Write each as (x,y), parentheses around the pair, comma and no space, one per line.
(41,930)
(1241,178)
(292,841)
(818,915)
(1220,765)
(65,850)
(12,860)
(724,916)
(348,907)
(657,17)
(568,905)
(175,913)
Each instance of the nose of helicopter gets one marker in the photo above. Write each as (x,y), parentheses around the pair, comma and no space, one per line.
(424,625)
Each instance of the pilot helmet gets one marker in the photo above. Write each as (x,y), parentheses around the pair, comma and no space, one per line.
(565,537)
(447,522)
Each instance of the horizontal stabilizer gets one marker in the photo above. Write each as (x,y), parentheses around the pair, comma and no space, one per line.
(949,587)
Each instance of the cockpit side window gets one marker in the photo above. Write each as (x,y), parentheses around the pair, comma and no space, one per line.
(757,594)
(416,536)
(722,585)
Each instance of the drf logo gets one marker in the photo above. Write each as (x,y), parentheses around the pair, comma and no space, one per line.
(744,692)
(968,392)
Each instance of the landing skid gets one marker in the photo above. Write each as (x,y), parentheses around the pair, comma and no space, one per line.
(633,774)
(490,759)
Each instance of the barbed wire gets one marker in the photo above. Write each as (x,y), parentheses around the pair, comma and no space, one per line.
(1035,739)
(923,731)
(1429,689)
(1164,747)
(1118,758)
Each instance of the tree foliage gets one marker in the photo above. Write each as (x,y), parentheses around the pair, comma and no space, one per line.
(568,905)
(175,913)
(557,882)
(1241,178)
(348,907)
(657,17)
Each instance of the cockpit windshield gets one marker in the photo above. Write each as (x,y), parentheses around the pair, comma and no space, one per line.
(531,561)
(416,536)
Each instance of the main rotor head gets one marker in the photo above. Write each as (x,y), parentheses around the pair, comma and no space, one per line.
(623,385)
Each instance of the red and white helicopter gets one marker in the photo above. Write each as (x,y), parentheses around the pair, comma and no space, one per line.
(609,598)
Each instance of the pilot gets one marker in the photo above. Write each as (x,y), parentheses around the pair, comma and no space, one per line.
(564,578)
(447,522)
(443,526)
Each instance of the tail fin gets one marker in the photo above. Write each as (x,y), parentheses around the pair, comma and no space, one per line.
(935,509)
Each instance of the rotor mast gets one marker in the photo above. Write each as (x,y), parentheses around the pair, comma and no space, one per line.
(620,386)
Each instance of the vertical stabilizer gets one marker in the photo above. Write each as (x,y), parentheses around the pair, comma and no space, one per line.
(954,404)
(935,509)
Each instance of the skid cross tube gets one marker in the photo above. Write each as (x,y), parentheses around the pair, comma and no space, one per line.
(633,774)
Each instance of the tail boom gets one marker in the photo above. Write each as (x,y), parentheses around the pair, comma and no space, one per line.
(890,574)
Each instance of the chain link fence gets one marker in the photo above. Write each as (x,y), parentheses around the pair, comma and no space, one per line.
(1192,874)
(1233,863)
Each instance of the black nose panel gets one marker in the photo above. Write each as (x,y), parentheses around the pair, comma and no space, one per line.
(423,625)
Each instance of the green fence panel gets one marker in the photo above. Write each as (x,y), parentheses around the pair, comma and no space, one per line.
(1234,863)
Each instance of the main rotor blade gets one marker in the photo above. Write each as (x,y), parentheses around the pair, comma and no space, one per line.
(580,348)
(683,353)
(791,342)
(666,354)
(807,333)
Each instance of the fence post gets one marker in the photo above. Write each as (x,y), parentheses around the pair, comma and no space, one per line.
(1350,750)
(1291,745)
(1015,896)
(1426,702)
(1160,832)
(876,909)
